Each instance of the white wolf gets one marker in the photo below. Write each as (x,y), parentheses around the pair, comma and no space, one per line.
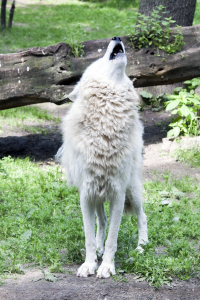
(102,154)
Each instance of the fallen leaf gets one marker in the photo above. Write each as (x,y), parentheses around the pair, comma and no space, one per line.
(164,202)
(140,279)
(50,277)
(178,194)
(37,279)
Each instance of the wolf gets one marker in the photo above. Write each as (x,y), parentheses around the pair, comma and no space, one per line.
(102,155)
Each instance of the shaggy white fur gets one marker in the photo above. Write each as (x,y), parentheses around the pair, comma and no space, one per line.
(102,154)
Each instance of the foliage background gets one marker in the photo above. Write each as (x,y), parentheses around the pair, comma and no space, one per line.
(38,25)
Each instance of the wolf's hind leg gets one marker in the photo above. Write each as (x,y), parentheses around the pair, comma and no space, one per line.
(134,201)
(88,211)
(101,226)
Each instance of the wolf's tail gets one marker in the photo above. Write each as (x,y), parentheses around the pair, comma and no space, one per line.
(58,154)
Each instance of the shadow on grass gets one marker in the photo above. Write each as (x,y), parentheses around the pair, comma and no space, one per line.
(37,146)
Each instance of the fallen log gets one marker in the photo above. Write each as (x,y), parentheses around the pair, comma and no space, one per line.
(48,74)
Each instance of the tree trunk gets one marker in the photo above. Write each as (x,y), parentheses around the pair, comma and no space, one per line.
(182,11)
(49,74)
(11,14)
(3,14)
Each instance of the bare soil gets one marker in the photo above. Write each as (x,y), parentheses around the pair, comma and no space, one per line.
(41,148)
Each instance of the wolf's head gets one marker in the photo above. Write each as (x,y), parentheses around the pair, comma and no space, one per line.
(115,58)
(116,50)
(111,67)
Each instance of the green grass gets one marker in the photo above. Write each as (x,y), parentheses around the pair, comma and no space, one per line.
(41,223)
(188,156)
(61,22)
(47,25)
(174,226)
(17,116)
(41,25)
(39,216)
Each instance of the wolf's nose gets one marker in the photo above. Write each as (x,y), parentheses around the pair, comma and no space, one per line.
(116,38)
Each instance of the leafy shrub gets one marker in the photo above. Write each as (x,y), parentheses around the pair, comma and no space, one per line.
(153,101)
(191,85)
(155,30)
(186,104)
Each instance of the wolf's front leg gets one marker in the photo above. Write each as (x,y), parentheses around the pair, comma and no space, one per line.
(116,209)
(88,211)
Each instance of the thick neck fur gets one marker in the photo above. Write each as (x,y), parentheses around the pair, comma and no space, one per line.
(108,70)
(111,72)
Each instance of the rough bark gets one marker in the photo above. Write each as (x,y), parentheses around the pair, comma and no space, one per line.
(11,14)
(182,11)
(3,14)
(48,74)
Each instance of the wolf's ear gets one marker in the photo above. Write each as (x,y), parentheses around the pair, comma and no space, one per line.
(74,94)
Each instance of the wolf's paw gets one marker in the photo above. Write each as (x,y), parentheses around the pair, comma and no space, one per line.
(105,270)
(87,269)
(140,249)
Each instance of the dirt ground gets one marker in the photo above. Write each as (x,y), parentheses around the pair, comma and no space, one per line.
(42,148)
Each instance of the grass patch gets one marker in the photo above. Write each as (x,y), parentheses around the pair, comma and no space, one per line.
(45,130)
(41,223)
(188,156)
(39,216)
(17,116)
(173,226)
(63,22)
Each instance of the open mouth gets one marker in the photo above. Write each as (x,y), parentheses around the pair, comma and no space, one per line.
(117,49)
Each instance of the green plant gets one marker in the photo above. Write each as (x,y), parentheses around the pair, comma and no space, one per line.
(150,99)
(186,104)
(76,35)
(155,30)
(147,97)
(191,85)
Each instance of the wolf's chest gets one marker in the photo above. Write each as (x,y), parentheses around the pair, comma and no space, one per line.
(106,128)
(108,114)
